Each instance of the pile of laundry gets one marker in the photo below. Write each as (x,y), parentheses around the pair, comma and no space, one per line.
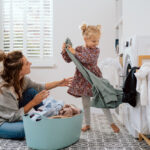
(52,108)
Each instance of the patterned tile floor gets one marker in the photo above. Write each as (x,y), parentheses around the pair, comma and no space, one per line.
(101,137)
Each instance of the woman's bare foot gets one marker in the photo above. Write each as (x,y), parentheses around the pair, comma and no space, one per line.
(115,128)
(86,128)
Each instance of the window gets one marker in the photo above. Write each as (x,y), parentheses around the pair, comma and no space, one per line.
(27,26)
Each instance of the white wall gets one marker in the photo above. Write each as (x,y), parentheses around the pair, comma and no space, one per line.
(0,24)
(68,15)
(136,17)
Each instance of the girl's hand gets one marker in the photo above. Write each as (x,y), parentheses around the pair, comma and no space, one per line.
(63,47)
(40,97)
(71,49)
(66,82)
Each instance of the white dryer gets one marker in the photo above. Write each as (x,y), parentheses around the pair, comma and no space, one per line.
(135,118)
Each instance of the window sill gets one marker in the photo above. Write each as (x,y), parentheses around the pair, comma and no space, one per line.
(42,62)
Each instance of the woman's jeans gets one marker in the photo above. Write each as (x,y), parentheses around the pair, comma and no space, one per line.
(15,130)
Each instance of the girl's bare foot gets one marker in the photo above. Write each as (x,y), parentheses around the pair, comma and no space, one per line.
(115,128)
(86,128)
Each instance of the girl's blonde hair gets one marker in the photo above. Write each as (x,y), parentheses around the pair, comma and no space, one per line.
(91,31)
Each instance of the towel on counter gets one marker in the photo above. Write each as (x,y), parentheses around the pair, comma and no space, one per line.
(142,82)
(111,70)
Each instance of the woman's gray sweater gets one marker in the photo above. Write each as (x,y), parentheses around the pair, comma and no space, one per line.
(9,109)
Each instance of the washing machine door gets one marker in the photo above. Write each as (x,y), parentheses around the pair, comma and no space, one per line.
(139,118)
(148,106)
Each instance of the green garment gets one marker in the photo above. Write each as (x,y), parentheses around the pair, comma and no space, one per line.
(104,94)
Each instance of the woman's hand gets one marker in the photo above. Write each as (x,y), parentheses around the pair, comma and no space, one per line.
(36,100)
(40,97)
(65,82)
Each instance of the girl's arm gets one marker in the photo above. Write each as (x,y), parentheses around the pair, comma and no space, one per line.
(65,55)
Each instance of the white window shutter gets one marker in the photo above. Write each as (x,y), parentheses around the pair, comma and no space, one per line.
(28,26)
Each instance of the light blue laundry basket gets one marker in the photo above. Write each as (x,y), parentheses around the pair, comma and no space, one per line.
(51,134)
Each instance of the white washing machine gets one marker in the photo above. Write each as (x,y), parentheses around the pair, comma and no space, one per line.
(148,107)
(135,118)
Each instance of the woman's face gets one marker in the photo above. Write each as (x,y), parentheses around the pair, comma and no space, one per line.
(25,68)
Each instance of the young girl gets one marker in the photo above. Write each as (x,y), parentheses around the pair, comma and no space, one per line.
(88,56)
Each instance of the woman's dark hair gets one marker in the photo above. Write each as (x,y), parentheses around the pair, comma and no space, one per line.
(12,65)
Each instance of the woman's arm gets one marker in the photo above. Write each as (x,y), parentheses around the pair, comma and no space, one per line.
(64,82)
(43,94)
(28,107)
(36,100)
(9,110)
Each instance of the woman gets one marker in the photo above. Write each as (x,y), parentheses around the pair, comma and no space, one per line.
(19,94)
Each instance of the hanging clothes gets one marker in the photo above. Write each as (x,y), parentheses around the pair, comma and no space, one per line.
(129,88)
(142,82)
